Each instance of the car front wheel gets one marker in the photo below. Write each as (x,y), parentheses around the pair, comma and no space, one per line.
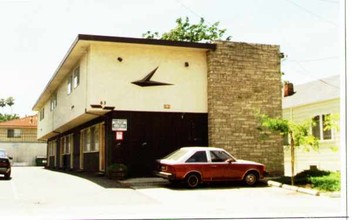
(250,179)
(192,180)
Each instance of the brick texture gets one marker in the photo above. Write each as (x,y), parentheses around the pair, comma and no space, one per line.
(244,79)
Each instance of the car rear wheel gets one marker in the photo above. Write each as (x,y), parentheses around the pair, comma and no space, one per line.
(251,179)
(8,175)
(192,180)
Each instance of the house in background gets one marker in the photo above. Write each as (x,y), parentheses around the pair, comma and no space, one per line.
(132,101)
(315,100)
(19,138)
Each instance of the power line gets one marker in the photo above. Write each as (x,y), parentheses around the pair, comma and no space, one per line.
(315,60)
(192,11)
(330,1)
(311,13)
(188,9)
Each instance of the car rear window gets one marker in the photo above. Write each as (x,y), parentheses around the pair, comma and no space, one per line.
(176,155)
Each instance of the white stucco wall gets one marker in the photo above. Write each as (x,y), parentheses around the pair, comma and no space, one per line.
(110,80)
(104,78)
(24,154)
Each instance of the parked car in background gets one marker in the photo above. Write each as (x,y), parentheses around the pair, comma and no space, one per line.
(5,164)
(195,165)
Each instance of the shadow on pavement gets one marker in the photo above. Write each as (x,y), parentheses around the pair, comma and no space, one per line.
(153,182)
(5,179)
(217,185)
(95,178)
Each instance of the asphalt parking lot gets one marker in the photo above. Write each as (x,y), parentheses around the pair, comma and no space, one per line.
(35,192)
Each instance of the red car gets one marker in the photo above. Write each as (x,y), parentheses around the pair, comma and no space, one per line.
(195,165)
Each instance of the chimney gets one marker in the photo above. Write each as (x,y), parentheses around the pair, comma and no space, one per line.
(288,89)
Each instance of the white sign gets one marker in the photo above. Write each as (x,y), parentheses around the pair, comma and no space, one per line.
(119,135)
(119,124)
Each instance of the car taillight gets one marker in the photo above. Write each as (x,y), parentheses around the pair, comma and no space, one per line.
(166,168)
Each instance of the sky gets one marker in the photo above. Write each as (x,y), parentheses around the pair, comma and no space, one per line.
(36,34)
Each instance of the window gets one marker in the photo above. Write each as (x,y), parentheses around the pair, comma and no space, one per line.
(219,156)
(69,84)
(14,133)
(51,148)
(91,138)
(73,80)
(318,130)
(76,77)
(198,157)
(53,102)
(67,144)
(41,114)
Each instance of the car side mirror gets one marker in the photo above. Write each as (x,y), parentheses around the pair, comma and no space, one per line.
(10,157)
(230,160)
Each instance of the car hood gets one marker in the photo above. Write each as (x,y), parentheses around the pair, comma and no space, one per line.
(248,162)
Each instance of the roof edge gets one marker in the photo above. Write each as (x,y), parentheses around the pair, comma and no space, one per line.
(34,108)
(210,46)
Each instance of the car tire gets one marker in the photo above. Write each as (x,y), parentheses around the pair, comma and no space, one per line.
(250,179)
(192,180)
(8,176)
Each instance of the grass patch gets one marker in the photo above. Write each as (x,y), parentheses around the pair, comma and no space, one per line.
(317,179)
(330,183)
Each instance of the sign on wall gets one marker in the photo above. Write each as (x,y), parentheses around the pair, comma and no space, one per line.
(119,135)
(119,124)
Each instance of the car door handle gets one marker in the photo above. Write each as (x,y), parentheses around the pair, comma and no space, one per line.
(214,166)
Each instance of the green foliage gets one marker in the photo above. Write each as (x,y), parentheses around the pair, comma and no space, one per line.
(10,101)
(307,174)
(8,117)
(332,121)
(184,31)
(302,135)
(2,103)
(319,179)
(329,182)
(301,132)
(274,124)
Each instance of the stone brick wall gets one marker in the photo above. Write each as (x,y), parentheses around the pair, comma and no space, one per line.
(244,79)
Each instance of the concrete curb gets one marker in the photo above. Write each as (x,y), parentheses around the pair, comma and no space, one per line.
(294,188)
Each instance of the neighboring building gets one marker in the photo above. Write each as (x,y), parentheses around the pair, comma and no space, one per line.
(19,138)
(128,100)
(315,100)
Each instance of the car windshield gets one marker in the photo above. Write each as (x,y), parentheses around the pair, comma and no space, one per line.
(176,155)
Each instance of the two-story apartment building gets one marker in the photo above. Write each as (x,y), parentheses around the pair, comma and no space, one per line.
(130,100)
(19,138)
(315,100)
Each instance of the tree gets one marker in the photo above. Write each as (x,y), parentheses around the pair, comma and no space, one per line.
(10,101)
(2,104)
(184,31)
(299,134)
